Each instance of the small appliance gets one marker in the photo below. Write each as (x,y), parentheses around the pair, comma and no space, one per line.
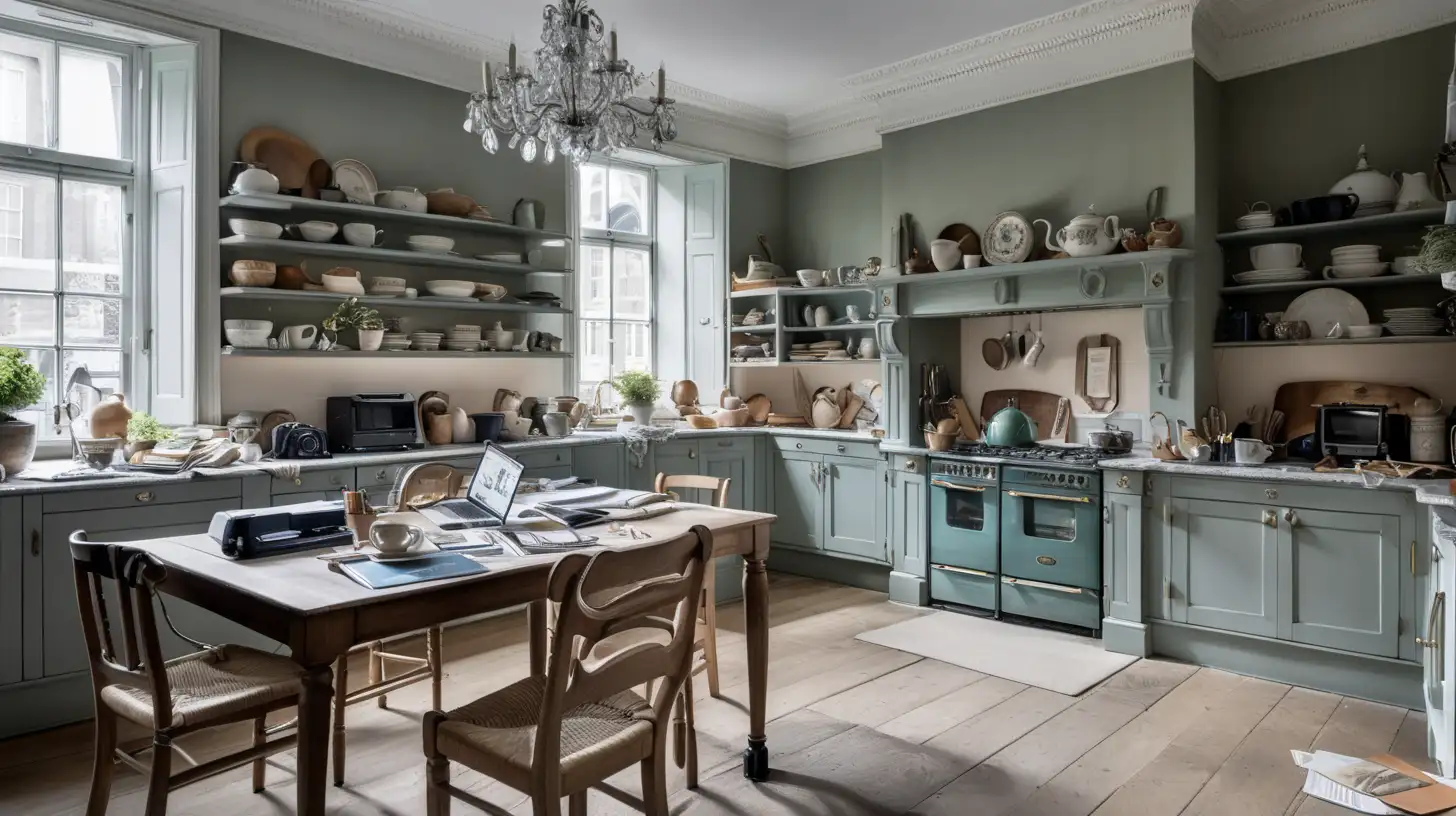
(1351,432)
(373,422)
(277,530)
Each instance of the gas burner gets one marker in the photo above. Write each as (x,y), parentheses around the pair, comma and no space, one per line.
(1071,455)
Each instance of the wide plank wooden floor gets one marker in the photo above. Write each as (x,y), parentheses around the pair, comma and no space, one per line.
(855,729)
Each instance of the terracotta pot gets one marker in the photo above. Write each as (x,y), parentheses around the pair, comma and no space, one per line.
(17,446)
(109,418)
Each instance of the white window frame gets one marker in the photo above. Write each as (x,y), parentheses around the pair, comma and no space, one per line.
(611,240)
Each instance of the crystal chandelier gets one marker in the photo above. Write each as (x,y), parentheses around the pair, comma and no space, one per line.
(579,100)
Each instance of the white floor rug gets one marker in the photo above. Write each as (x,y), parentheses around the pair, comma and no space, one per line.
(1056,661)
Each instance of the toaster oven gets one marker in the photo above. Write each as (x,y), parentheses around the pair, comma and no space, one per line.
(373,422)
(1351,432)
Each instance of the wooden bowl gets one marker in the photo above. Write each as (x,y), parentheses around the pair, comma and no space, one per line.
(290,277)
(449,202)
(701,422)
(759,407)
(939,441)
(253,273)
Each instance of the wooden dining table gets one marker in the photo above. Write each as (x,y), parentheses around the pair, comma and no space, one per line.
(320,613)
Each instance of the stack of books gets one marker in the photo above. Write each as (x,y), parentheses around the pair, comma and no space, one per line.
(181,455)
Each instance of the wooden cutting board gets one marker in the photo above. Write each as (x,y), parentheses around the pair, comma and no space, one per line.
(1300,400)
(1041,406)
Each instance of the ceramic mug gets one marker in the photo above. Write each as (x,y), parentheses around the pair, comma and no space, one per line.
(810,277)
(970,261)
(1276,256)
(363,235)
(393,538)
(557,423)
(298,337)
(852,312)
(1251,451)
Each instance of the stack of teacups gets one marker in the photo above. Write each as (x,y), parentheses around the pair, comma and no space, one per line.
(462,338)
(423,340)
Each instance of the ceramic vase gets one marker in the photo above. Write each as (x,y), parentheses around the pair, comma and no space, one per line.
(867,349)
(370,339)
(640,412)
(17,446)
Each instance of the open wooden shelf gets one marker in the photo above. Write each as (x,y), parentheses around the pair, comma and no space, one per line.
(402,257)
(369,212)
(1372,223)
(422,302)
(1373,341)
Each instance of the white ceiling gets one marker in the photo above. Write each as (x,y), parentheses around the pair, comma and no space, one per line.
(784,56)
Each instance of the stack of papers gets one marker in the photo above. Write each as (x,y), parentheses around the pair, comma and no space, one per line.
(178,455)
(1382,785)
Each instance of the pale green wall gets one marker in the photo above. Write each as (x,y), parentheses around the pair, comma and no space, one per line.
(1293,132)
(757,198)
(834,214)
(407,131)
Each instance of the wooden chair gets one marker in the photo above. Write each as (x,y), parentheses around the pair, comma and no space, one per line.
(560,734)
(428,480)
(215,686)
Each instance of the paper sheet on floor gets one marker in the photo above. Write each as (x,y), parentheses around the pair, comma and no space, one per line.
(1323,764)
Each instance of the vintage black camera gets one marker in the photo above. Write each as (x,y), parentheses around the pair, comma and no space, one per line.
(295,440)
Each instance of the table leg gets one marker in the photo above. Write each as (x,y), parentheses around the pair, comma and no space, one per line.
(755,612)
(314,706)
(536,615)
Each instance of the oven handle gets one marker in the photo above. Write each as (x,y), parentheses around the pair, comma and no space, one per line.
(1049,497)
(963,570)
(949,486)
(1006,579)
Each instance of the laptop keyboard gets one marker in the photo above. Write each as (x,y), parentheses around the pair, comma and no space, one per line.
(464,510)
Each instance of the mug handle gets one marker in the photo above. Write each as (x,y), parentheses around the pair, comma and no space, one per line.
(416,535)
(1353,204)
(309,334)
(378,237)
(1327,273)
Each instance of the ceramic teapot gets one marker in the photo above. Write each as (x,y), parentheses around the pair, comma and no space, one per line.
(1087,236)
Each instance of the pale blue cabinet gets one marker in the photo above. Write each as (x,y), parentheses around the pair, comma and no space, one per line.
(12,590)
(675,458)
(546,464)
(730,459)
(1224,570)
(905,521)
(797,500)
(854,522)
(1340,580)
(604,463)
(1122,558)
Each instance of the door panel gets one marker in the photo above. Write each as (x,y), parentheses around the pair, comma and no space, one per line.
(600,462)
(1122,549)
(1225,566)
(797,501)
(1341,575)
(907,521)
(966,526)
(705,268)
(732,465)
(852,520)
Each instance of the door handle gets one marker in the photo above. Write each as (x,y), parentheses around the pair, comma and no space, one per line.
(962,570)
(35,542)
(703,321)
(962,488)
(1006,579)
(1438,606)
(1291,517)
(1270,518)
(1049,497)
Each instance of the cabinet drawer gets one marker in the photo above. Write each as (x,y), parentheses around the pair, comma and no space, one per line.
(541,459)
(830,447)
(1070,605)
(963,587)
(905,463)
(1114,481)
(314,481)
(676,449)
(370,478)
(1286,494)
(143,495)
(733,444)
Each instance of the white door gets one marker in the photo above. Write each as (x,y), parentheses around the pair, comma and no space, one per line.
(706,274)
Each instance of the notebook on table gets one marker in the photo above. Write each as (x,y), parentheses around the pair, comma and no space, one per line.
(432,567)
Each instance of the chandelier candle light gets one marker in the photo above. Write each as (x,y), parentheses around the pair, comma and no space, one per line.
(579,101)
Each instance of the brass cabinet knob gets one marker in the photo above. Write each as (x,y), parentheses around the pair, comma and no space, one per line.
(1122,481)
(1271,519)
(1271,494)
(1291,517)
(145,496)
(841,448)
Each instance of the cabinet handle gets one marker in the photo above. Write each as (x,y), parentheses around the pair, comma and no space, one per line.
(1413,559)
(1168,512)
(1006,579)
(1106,516)
(1167,589)
(380,474)
(35,542)
(1271,494)
(1271,519)
(145,496)
(1122,481)
(297,480)
(1049,497)
(725,443)
(799,445)
(962,570)
(909,465)
(962,488)
(840,448)
(692,454)
(1438,606)
(1291,517)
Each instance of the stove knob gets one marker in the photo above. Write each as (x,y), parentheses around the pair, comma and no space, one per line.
(1062,477)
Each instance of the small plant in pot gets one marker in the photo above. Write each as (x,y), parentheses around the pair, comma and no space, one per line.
(143,432)
(352,314)
(639,391)
(21,386)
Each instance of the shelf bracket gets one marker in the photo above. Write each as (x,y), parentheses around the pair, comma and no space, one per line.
(1092,281)
(1005,291)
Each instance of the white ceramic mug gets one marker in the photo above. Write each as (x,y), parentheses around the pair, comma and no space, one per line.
(811,277)
(363,235)
(1277,256)
(970,261)
(393,538)
(298,337)
(852,312)
(1251,451)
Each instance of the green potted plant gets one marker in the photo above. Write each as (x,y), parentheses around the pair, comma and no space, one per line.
(21,386)
(352,314)
(1438,252)
(143,432)
(639,391)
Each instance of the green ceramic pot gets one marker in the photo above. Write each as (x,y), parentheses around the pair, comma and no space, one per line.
(1011,427)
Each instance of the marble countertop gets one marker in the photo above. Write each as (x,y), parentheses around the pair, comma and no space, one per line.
(18,486)
(1428,491)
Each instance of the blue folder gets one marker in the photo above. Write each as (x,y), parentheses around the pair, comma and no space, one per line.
(433,567)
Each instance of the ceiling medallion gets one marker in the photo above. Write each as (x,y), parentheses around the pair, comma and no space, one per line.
(580,99)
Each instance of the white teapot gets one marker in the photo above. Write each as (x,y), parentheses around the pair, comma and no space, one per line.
(1087,236)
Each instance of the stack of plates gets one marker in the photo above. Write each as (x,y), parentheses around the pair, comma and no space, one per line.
(395,341)
(462,338)
(539,298)
(1356,253)
(822,350)
(1271,276)
(1356,261)
(426,340)
(1414,321)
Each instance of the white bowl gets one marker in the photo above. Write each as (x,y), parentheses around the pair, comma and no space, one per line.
(451,288)
(430,243)
(489,291)
(381,282)
(1255,221)
(247,333)
(1363,332)
(1354,270)
(1405,265)
(255,229)
(249,325)
(343,284)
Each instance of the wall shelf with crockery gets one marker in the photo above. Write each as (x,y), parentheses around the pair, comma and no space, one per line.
(1389,221)
(1371,341)
(1341,283)
(870,361)
(762,363)
(256,352)
(425,302)
(365,212)
(841,327)
(760,328)
(394,256)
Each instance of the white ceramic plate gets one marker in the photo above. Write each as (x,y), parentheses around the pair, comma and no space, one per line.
(356,180)
(1271,276)
(1009,239)
(1323,308)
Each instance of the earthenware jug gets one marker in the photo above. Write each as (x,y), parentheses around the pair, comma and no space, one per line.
(1087,236)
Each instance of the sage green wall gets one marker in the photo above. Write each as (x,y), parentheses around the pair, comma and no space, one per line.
(757,198)
(407,131)
(834,216)
(1293,132)
(1197,294)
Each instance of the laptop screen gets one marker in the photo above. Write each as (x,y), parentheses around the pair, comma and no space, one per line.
(494,485)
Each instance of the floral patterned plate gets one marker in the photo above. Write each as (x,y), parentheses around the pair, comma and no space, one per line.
(1009,239)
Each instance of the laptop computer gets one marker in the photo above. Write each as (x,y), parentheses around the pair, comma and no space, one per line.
(488,501)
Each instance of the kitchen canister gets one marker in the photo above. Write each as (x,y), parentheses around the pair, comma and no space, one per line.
(1428,438)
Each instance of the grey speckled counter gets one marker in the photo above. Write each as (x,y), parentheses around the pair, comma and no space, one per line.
(18,486)
(1428,491)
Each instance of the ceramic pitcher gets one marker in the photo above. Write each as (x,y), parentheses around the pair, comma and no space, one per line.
(1428,438)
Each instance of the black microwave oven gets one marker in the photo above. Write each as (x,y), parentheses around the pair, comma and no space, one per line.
(373,422)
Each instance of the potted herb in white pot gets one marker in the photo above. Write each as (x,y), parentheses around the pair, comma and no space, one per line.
(639,391)
(351,314)
(21,386)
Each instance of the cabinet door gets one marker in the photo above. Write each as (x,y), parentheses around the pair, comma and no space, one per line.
(675,458)
(1340,580)
(281,499)
(13,547)
(1225,569)
(853,520)
(905,522)
(1438,610)
(733,465)
(600,462)
(1122,555)
(797,501)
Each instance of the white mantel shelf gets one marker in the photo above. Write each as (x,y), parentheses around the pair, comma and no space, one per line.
(368,212)
(1035,268)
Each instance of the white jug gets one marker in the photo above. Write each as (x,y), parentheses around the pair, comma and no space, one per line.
(1415,193)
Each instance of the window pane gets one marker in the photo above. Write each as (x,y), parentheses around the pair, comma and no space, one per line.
(27,231)
(632,350)
(595,355)
(629,202)
(592,186)
(92,321)
(631,285)
(91,103)
(94,219)
(104,367)
(25,88)
(40,414)
(595,282)
(27,320)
